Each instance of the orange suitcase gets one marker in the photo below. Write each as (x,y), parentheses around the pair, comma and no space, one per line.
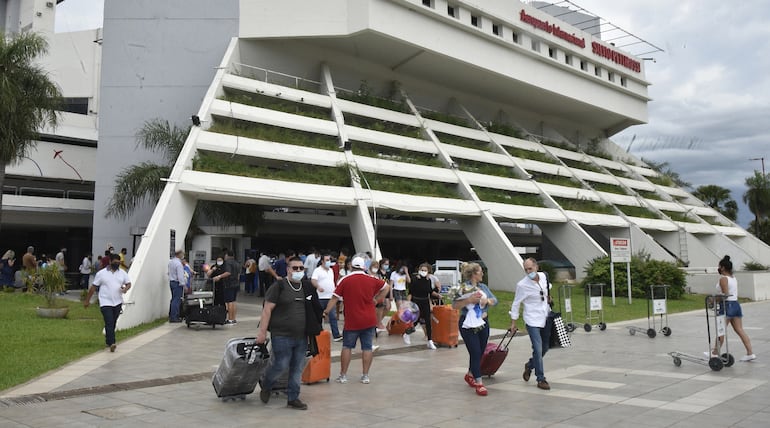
(396,326)
(444,325)
(319,368)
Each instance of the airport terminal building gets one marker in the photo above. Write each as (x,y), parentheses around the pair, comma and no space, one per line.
(412,128)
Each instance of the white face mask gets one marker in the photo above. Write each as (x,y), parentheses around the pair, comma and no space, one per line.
(220,262)
(297,276)
(374,270)
(532,275)
(423,273)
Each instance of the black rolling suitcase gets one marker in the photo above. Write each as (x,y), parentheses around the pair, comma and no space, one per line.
(241,368)
(201,307)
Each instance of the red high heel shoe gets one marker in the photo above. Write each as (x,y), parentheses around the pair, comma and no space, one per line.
(470,380)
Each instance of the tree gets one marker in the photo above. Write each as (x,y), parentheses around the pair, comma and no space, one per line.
(664,169)
(141,183)
(719,198)
(30,99)
(757,197)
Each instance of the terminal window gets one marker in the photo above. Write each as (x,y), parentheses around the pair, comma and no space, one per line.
(623,82)
(583,65)
(475,21)
(552,52)
(75,105)
(497,29)
(611,76)
(427,3)
(598,71)
(535,45)
(452,11)
(515,37)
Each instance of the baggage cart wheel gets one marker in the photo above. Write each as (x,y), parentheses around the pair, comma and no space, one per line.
(715,363)
(602,326)
(651,333)
(587,327)
(728,359)
(632,332)
(677,361)
(570,328)
(666,331)
(188,324)
(213,326)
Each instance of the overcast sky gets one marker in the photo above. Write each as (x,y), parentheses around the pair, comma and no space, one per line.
(710,88)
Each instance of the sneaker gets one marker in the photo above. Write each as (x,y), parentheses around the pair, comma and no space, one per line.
(365,379)
(113,346)
(431,345)
(407,340)
(264,395)
(342,379)
(527,372)
(749,357)
(338,338)
(375,347)
(296,404)
(543,384)
(230,322)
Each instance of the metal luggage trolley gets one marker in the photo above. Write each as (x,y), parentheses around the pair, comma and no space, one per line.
(656,307)
(715,303)
(594,296)
(565,307)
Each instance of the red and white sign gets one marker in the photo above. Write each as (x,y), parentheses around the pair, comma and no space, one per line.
(620,250)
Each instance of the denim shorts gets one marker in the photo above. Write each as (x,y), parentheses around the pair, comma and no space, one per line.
(230,294)
(350,337)
(733,309)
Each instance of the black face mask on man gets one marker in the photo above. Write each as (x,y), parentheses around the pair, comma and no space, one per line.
(115,266)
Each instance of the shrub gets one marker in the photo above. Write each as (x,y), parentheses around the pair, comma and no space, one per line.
(644,272)
(752,265)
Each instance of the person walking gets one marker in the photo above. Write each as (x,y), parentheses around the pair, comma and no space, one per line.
(290,323)
(359,291)
(533,293)
(85,271)
(731,308)
(266,273)
(230,285)
(7,270)
(112,284)
(323,281)
(176,281)
(473,299)
(421,292)
(250,267)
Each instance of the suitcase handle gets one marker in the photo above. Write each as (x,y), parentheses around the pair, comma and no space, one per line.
(500,345)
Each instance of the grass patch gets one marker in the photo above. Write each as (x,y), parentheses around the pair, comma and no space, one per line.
(621,173)
(552,143)
(279,104)
(382,125)
(279,170)
(556,179)
(504,129)
(364,96)
(622,311)
(677,216)
(411,186)
(649,195)
(572,163)
(276,134)
(361,148)
(463,142)
(530,154)
(584,205)
(609,188)
(33,346)
(485,168)
(661,180)
(446,118)
(508,197)
(633,211)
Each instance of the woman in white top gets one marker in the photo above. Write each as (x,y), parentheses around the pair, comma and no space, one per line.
(399,280)
(732,308)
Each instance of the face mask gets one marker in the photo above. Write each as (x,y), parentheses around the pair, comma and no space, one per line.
(115,266)
(386,267)
(220,262)
(328,264)
(423,273)
(374,270)
(532,275)
(297,276)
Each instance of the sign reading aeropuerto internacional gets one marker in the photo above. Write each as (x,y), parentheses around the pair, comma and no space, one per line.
(596,47)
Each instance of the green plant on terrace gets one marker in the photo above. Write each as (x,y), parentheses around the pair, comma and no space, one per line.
(485,168)
(361,148)
(365,95)
(530,154)
(411,186)
(276,134)
(594,148)
(752,266)
(677,216)
(561,145)
(508,197)
(284,171)
(444,117)
(621,173)
(649,195)
(504,129)
(382,125)
(279,104)
(713,221)
(609,188)
(556,179)
(581,165)
(633,211)
(584,205)
(463,142)
(661,180)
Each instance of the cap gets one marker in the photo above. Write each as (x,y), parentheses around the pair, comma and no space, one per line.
(358,262)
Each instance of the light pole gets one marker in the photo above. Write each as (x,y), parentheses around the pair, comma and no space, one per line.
(763,163)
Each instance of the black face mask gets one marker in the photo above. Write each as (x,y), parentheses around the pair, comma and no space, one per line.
(115,266)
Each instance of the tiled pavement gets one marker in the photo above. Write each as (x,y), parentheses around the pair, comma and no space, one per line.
(162,379)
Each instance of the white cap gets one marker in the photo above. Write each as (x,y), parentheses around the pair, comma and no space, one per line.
(358,262)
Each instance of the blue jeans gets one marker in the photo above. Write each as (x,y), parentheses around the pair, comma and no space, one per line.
(350,337)
(110,315)
(540,338)
(176,297)
(288,352)
(332,318)
(475,342)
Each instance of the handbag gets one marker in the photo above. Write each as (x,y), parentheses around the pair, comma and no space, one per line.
(559,336)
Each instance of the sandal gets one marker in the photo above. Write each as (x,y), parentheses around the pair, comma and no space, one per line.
(481,390)
(470,380)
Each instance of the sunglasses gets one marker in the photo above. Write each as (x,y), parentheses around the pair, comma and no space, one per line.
(298,268)
(542,296)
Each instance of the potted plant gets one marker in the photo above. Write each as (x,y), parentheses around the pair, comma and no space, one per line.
(50,282)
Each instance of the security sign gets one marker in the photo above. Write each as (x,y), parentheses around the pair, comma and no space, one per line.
(567,305)
(596,303)
(620,249)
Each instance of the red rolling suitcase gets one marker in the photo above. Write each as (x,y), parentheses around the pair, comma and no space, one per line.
(494,355)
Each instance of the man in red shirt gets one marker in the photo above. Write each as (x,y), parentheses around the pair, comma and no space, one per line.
(359,292)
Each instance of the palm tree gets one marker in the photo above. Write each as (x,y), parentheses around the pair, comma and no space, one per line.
(141,183)
(719,198)
(757,197)
(29,98)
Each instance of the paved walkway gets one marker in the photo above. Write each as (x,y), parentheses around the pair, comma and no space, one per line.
(609,378)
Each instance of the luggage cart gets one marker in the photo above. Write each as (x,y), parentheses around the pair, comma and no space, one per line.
(594,304)
(656,307)
(715,303)
(565,307)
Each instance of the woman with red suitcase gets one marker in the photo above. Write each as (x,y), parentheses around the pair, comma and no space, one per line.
(473,299)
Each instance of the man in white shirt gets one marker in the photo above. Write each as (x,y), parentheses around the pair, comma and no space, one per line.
(176,281)
(533,292)
(311,261)
(85,271)
(265,273)
(112,284)
(323,281)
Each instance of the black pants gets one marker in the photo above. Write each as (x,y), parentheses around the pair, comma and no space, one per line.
(424,306)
